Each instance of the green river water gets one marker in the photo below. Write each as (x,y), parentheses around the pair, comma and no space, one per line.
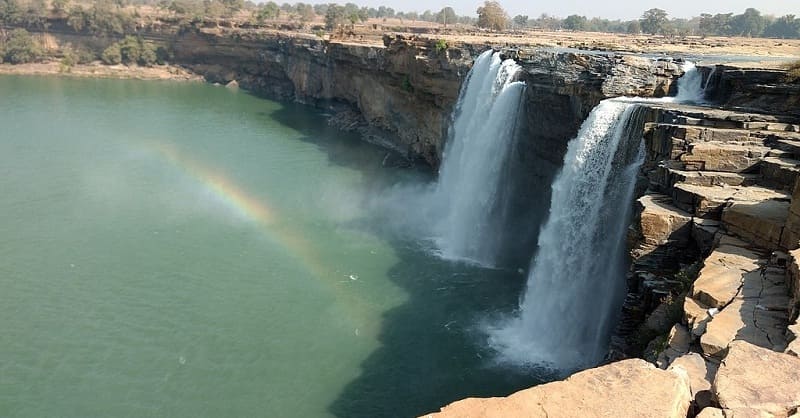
(173,249)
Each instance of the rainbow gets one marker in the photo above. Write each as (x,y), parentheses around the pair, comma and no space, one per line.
(249,207)
(267,218)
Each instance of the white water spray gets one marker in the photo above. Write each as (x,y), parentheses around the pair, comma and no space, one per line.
(469,181)
(690,85)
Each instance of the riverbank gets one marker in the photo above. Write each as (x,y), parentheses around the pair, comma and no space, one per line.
(99,70)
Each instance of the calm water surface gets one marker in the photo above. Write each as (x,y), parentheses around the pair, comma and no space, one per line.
(184,250)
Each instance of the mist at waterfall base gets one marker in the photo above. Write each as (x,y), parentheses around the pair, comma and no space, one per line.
(576,282)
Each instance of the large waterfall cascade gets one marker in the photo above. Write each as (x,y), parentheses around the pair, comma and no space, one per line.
(576,282)
(468,192)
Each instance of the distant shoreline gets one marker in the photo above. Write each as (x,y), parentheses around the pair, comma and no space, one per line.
(98,70)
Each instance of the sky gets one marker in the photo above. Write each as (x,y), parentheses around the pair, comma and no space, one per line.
(625,10)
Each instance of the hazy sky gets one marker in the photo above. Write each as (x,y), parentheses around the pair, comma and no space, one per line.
(591,8)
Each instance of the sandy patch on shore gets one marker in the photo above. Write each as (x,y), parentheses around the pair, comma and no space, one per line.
(98,70)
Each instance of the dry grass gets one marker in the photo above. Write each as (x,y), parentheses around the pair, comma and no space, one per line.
(794,71)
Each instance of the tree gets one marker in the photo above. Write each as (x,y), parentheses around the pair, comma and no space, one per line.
(492,16)
(750,23)
(575,22)
(446,15)
(10,12)
(520,21)
(427,16)
(334,16)
(785,27)
(654,21)
(35,15)
(305,11)
(634,27)
(545,21)
(267,11)
(321,9)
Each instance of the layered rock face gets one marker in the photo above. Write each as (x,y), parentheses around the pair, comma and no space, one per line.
(763,90)
(401,94)
(709,248)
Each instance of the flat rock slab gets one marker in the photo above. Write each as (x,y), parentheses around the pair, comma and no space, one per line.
(720,156)
(756,379)
(722,275)
(758,222)
(629,388)
(758,314)
(708,201)
(660,221)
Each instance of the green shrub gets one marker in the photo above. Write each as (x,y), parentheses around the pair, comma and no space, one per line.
(112,55)
(21,47)
(163,55)
(441,45)
(407,84)
(68,61)
(85,56)
(147,56)
(131,50)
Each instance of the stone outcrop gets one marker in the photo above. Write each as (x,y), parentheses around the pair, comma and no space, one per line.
(754,381)
(629,388)
(764,90)
(701,374)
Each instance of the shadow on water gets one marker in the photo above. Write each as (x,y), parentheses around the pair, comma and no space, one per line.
(432,348)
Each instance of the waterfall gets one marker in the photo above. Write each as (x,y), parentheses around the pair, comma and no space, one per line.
(690,85)
(708,88)
(576,281)
(469,190)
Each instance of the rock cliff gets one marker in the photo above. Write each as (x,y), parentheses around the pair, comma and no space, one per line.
(402,93)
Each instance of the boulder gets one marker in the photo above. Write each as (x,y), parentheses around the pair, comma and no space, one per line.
(660,222)
(629,388)
(758,379)
(677,345)
(701,375)
(696,316)
(710,413)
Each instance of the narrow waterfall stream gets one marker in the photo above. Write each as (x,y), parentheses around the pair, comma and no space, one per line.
(468,192)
